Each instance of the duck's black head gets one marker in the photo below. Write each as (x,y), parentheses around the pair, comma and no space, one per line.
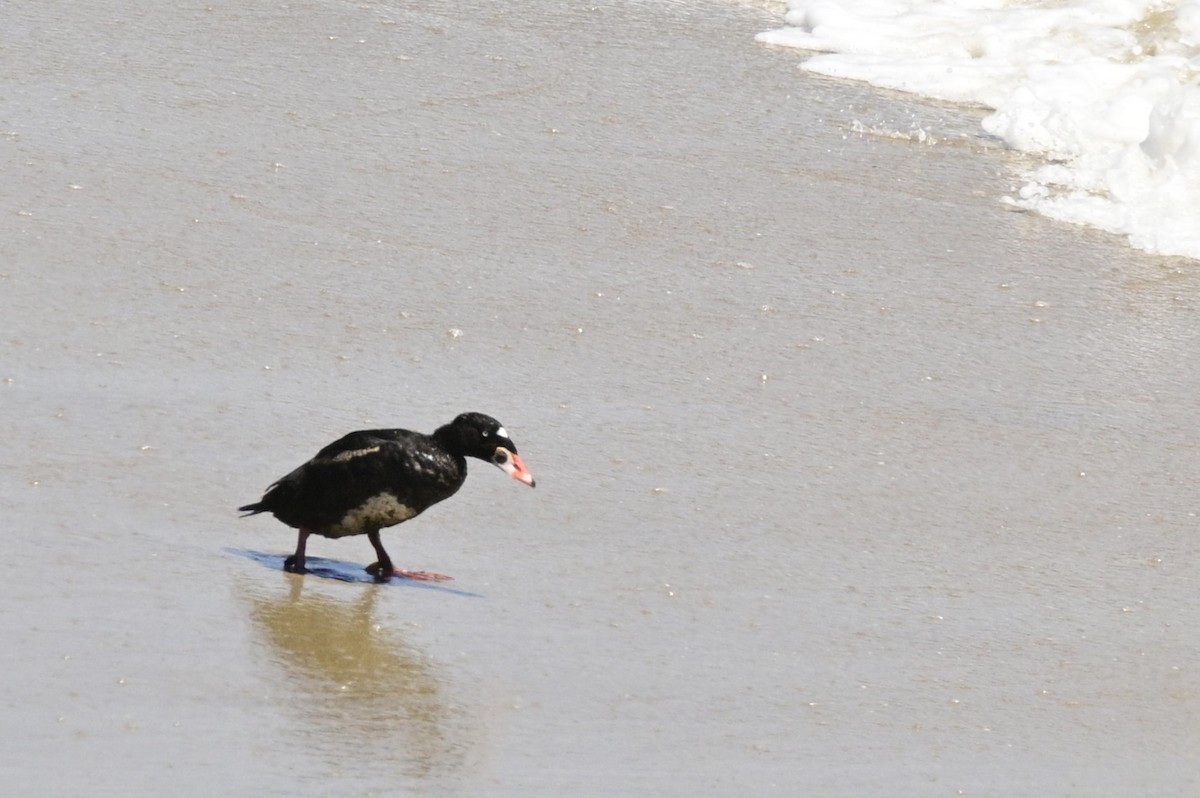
(481,436)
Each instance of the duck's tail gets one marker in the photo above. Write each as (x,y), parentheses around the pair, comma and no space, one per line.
(253,509)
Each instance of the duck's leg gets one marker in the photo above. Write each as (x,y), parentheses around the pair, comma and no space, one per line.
(295,563)
(383,569)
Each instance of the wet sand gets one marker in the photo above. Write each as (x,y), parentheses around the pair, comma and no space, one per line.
(851,480)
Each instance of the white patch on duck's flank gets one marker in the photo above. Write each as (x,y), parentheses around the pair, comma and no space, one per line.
(376,512)
(342,457)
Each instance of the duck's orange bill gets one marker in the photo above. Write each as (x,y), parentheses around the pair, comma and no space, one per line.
(520,472)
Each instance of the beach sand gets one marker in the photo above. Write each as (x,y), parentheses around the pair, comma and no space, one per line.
(852,480)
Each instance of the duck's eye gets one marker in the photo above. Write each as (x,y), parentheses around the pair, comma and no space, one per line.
(500,457)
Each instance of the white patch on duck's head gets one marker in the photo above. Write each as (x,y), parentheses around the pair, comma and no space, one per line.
(381,510)
(342,457)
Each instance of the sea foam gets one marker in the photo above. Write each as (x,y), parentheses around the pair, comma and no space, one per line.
(1105,91)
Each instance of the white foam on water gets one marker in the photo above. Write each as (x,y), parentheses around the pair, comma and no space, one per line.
(1105,91)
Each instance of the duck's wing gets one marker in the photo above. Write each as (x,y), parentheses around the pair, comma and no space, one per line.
(411,466)
(362,443)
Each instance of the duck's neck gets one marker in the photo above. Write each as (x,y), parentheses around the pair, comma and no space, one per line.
(450,438)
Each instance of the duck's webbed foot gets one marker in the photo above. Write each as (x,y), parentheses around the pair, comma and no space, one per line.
(383,573)
(383,569)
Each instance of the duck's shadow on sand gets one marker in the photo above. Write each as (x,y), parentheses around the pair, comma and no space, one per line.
(343,571)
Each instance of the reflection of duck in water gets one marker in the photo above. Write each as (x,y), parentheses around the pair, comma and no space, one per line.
(368,694)
(372,479)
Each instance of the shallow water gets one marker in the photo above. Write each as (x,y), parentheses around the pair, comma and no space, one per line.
(851,481)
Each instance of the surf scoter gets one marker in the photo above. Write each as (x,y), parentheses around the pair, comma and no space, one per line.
(378,478)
